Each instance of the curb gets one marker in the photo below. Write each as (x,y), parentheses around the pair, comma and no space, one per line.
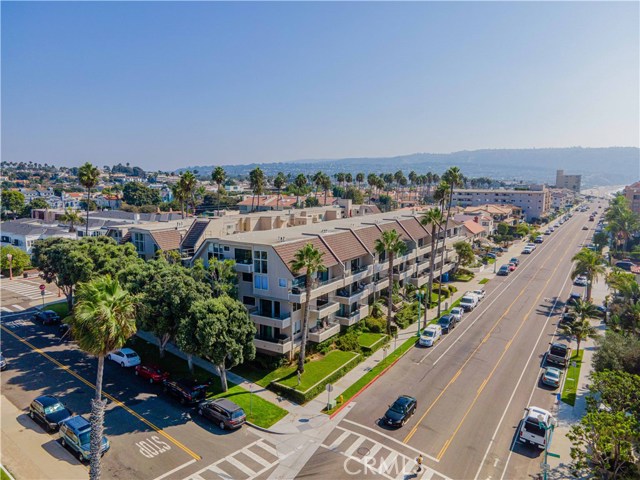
(266,430)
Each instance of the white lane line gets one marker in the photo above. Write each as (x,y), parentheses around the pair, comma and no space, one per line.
(5,309)
(268,448)
(339,440)
(354,446)
(374,450)
(218,471)
(404,445)
(18,307)
(170,472)
(256,458)
(240,466)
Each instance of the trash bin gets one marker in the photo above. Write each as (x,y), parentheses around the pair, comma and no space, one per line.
(445,277)
(25,275)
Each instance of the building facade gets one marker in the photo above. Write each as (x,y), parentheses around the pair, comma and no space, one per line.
(632,194)
(534,204)
(570,182)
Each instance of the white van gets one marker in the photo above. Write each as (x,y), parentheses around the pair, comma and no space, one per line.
(469,301)
(430,335)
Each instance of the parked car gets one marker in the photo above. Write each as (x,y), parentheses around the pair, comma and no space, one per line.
(567,318)
(49,411)
(223,413)
(468,302)
(512,267)
(480,293)
(581,281)
(624,265)
(585,227)
(447,323)
(531,430)
(504,271)
(186,390)
(3,363)
(532,246)
(401,410)
(430,335)
(515,261)
(551,377)
(573,298)
(75,432)
(527,250)
(47,317)
(125,357)
(539,239)
(491,255)
(558,354)
(458,313)
(151,372)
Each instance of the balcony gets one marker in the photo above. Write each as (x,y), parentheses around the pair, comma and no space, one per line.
(359,273)
(244,267)
(353,317)
(318,335)
(343,296)
(280,345)
(418,280)
(298,295)
(403,275)
(266,318)
(381,284)
(316,312)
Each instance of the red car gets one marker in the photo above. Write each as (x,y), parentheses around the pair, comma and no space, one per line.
(152,372)
(512,267)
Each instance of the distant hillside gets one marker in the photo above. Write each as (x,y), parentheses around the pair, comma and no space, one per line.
(598,166)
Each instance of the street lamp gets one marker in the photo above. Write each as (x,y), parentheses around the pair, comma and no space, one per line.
(10,258)
(419,297)
(548,437)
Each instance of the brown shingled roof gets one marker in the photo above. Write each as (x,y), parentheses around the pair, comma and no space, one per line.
(393,225)
(345,245)
(287,251)
(167,239)
(368,236)
(414,228)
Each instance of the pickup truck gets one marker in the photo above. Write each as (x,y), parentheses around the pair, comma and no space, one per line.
(559,354)
(533,426)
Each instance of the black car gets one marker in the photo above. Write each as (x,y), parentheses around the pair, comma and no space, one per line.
(504,271)
(186,390)
(3,363)
(49,411)
(573,298)
(400,411)
(223,413)
(447,322)
(515,261)
(47,317)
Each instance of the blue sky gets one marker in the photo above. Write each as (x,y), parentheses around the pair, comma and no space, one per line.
(164,85)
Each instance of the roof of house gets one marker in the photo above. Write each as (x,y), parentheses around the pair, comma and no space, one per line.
(368,236)
(473,227)
(287,251)
(414,228)
(344,245)
(393,225)
(167,239)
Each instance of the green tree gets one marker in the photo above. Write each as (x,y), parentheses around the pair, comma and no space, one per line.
(600,240)
(256,182)
(224,333)
(35,204)
(13,201)
(218,176)
(72,217)
(354,194)
(20,260)
(138,194)
(88,175)
(617,351)
(187,187)
(311,202)
(618,390)
(279,182)
(579,329)
(623,223)
(308,261)
(222,277)
(102,321)
(391,245)
(465,253)
(589,264)
(326,186)
(300,184)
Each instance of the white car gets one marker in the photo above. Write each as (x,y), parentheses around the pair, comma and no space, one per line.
(581,281)
(479,293)
(430,335)
(468,302)
(532,246)
(125,357)
(457,313)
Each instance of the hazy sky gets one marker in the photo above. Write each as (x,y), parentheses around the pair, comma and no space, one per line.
(164,85)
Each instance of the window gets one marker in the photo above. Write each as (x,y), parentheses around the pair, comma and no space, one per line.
(249,300)
(295,307)
(243,256)
(217,251)
(138,241)
(296,327)
(247,277)
(260,262)
(282,282)
(261,282)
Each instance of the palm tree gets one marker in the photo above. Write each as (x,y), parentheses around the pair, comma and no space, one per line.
(188,183)
(348,178)
(256,182)
(623,223)
(218,176)
(392,245)
(440,196)
(453,178)
(432,217)
(278,183)
(360,179)
(103,318)
(580,330)
(178,195)
(73,217)
(589,264)
(88,175)
(307,260)
(300,182)
(326,186)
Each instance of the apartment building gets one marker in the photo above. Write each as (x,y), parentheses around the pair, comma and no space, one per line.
(355,274)
(534,204)
(632,194)
(570,182)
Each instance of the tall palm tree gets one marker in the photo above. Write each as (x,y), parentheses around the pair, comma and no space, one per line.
(623,223)
(72,217)
(188,183)
(453,177)
(440,196)
(392,245)
(301,183)
(307,260)
(256,182)
(348,178)
(589,264)
(88,175)
(579,330)
(103,318)
(359,179)
(326,186)
(178,195)
(432,217)
(218,176)
(278,183)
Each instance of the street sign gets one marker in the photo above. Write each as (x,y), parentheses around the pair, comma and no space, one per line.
(554,455)
(42,292)
(42,287)
(329,387)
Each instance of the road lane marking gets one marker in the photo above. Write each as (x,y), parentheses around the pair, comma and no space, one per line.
(171,472)
(240,466)
(177,443)
(18,307)
(513,393)
(504,352)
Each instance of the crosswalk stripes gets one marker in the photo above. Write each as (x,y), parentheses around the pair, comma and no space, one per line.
(392,464)
(261,453)
(17,308)
(29,290)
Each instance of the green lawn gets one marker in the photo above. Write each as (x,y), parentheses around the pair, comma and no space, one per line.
(263,413)
(572,377)
(483,281)
(369,339)
(371,374)
(3,474)
(462,278)
(316,370)
(60,308)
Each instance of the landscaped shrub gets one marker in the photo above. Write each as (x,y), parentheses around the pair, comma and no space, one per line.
(375,325)
(348,342)
(407,315)
(268,362)
(442,290)
(453,288)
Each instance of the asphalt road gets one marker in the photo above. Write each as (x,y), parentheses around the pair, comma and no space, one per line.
(151,435)
(473,386)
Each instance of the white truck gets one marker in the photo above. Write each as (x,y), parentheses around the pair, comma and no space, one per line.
(534,426)
(469,301)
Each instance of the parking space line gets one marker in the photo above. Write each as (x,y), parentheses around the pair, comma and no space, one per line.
(170,472)
(177,443)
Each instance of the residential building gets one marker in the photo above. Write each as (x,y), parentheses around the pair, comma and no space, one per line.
(632,194)
(535,204)
(23,232)
(474,230)
(150,237)
(484,220)
(356,274)
(571,182)
(561,198)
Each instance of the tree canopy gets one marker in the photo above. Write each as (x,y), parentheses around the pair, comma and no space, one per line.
(138,194)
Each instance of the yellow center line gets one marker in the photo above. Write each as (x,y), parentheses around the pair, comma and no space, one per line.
(486,380)
(113,399)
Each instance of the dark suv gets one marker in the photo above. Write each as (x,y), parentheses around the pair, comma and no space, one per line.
(223,413)
(447,323)
(186,390)
(49,411)
(47,317)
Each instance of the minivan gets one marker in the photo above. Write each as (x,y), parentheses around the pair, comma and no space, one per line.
(430,335)
(75,433)
(222,412)
(469,302)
